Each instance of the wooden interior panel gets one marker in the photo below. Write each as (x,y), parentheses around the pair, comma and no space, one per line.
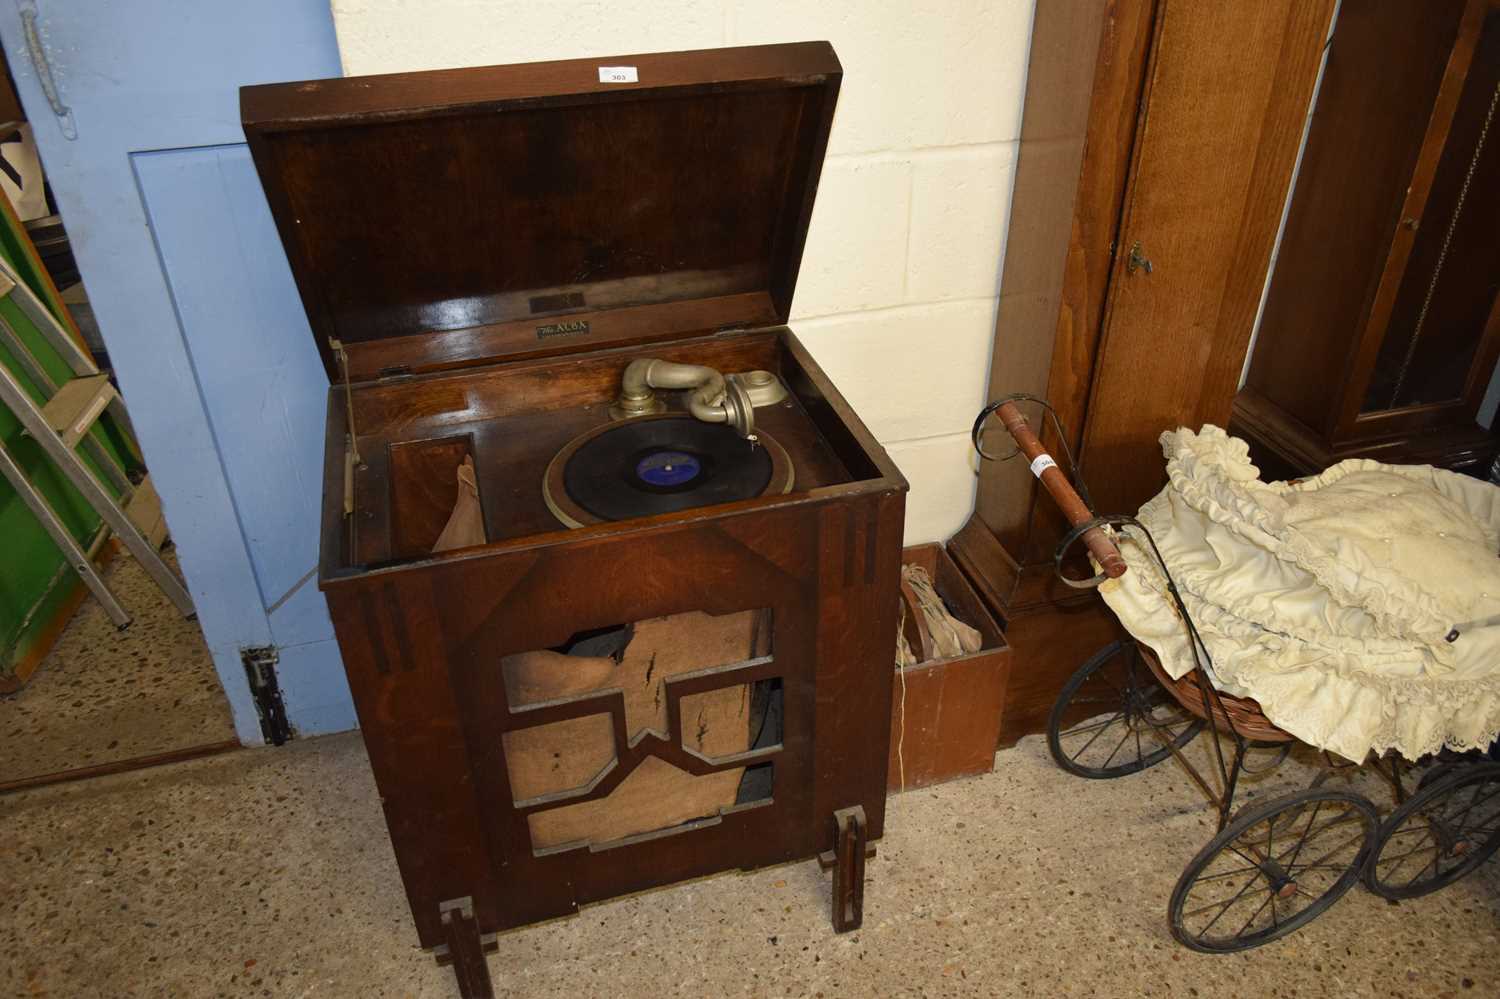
(496,391)
(423,488)
(545,337)
(483,218)
(516,417)
(485,198)
(1366,134)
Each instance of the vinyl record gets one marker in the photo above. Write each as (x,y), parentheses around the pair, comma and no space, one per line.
(660,464)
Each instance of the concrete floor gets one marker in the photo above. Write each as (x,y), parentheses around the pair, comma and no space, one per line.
(267,872)
(103,695)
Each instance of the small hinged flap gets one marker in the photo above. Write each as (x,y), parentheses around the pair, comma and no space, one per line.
(446,218)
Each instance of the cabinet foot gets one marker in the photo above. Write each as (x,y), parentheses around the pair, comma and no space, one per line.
(465,949)
(849,869)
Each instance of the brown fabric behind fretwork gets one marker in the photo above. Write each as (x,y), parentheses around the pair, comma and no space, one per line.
(564,756)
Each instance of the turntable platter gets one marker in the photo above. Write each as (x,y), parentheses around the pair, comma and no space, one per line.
(660,464)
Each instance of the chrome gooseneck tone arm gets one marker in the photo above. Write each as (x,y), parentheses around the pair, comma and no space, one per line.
(713,399)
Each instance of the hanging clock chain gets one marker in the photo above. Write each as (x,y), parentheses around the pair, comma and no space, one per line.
(1458,208)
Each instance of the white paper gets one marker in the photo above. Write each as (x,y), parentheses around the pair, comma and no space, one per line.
(1041,464)
(617,74)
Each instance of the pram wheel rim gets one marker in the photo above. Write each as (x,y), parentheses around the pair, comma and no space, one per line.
(1141,690)
(1463,836)
(1280,871)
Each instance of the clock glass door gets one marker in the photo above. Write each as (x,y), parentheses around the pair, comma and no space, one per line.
(1445,317)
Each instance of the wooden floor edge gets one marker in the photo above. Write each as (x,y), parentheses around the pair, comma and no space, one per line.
(118,766)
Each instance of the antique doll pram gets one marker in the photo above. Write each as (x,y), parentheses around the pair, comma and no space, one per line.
(1378,645)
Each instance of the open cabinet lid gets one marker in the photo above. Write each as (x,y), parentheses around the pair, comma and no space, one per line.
(439,219)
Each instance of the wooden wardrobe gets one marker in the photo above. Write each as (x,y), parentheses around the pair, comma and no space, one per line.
(1157,148)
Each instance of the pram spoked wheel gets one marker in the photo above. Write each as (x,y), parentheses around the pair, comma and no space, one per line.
(1121,717)
(1273,869)
(1444,831)
(1444,764)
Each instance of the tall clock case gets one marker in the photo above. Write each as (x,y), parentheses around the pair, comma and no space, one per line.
(1382,323)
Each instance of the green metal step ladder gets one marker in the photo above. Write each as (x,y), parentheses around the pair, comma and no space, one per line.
(60,423)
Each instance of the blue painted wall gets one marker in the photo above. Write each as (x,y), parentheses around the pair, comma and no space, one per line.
(195,303)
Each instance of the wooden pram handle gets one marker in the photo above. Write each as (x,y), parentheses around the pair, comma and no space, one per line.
(1057,484)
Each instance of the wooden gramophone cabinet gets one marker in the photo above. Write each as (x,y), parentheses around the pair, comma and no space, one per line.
(481,252)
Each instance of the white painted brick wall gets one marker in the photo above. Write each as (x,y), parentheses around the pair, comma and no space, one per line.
(899,282)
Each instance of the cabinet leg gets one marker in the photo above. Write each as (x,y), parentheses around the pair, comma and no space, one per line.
(849,869)
(465,949)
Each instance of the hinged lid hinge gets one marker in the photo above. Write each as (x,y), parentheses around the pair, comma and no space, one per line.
(260,669)
(343,357)
(351,459)
(732,328)
(394,373)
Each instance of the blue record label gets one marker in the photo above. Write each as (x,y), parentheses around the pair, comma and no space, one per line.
(668,468)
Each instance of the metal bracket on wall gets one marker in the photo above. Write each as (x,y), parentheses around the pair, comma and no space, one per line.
(260,668)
